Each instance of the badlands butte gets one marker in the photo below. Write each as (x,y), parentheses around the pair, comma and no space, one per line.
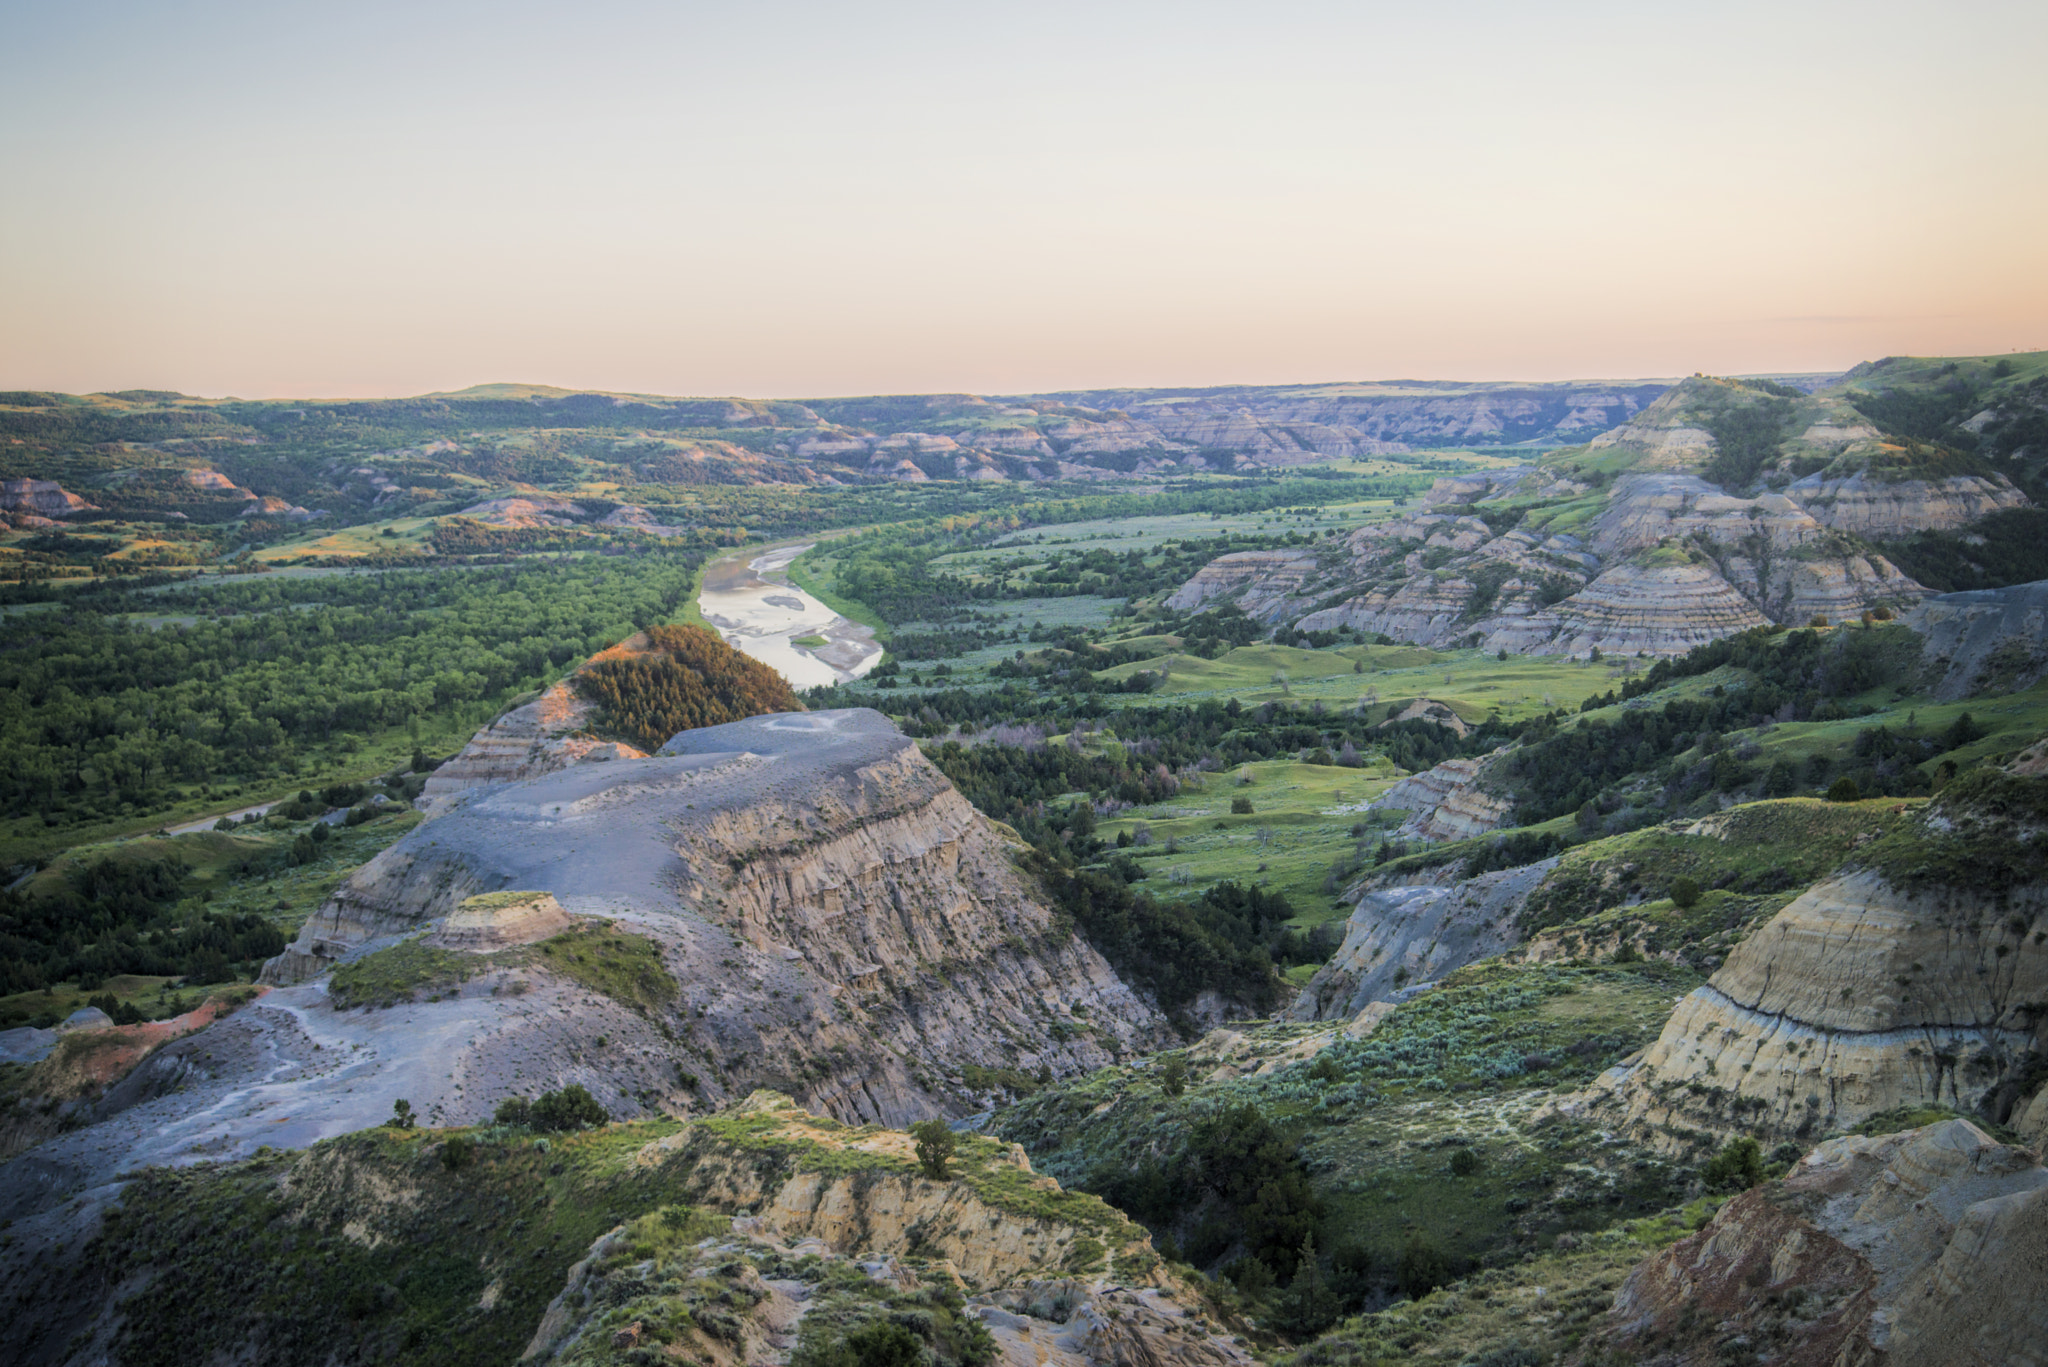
(1494,875)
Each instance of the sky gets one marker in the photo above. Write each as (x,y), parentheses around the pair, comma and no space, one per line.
(770,199)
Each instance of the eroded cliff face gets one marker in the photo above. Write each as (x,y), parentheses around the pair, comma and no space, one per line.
(1073,1286)
(1889,985)
(1985,639)
(1448,801)
(534,739)
(1401,937)
(843,924)
(1626,545)
(1928,1247)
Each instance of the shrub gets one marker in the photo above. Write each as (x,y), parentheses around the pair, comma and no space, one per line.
(1685,893)
(878,1343)
(1738,1167)
(514,1110)
(458,1153)
(402,1117)
(1240,806)
(1844,789)
(1423,1267)
(1173,1076)
(1464,1163)
(935,1144)
(572,1108)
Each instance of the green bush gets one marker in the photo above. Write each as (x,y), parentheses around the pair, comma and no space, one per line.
(1844,789)
(1685,892)
(572,1108)
(935,1145)
(1738,1167)
(1240,806)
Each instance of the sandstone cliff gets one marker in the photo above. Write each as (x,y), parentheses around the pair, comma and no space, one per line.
(1928,1248)
(1914,979)
(842,921)
(1448,801)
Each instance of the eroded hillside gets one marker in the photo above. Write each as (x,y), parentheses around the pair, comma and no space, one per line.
(1721,506)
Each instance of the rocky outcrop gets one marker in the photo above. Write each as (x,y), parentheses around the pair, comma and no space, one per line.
(40,498)
(1042,1285)
(500,920)
(835,910)
(1399,938)
(1448,800)
(1985,638)
(1927,1248)
(1883,509)
(527,511)
(1651,610)
(1263,583)
(532,739)
(1859,997)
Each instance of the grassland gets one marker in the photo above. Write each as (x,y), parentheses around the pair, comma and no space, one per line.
(613,962)
(1470,1068)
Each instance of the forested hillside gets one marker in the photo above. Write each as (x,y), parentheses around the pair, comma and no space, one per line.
(686,679)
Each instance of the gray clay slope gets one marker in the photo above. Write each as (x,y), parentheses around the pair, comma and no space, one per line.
(842,926)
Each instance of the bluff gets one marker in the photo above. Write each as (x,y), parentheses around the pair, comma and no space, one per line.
(1927,1248)
(752,1237)
(1721,506)
(1915,977)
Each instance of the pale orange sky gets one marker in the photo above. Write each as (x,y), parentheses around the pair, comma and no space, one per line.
(809,199)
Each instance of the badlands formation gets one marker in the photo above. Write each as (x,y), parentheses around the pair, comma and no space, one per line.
(1926,1248)
(1915,977)
(1625,546)
(826,915)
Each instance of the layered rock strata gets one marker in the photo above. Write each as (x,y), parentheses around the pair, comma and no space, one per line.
(1927,1248)
(40,498)
(816,886)
(1448,801)
(530,740)
(1858,997)
(500,920)
(1659,610)
(1875,507)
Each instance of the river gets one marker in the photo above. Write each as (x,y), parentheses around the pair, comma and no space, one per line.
(747,596)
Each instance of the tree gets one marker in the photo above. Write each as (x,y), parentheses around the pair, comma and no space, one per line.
(1844,789)
(402,1117)
(1310,1305)
(1685,892)
(572,1108)
(935,1144)
(1173,1076)
(1738,1167)
(1464,1163)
